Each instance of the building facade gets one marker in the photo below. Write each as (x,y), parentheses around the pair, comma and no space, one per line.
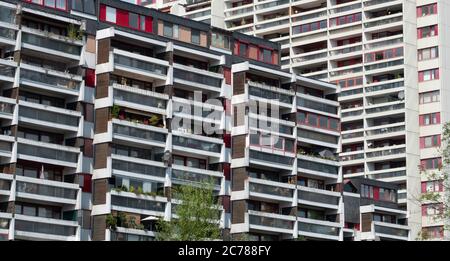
(106,109)
(389,59)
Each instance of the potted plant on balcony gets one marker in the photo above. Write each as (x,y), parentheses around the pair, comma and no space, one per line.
(74,33)
(115,110)
(111,222)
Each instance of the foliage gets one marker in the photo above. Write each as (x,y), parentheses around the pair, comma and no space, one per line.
(198,215)
(111,222)
(74,33)
(439,200)
(115,110)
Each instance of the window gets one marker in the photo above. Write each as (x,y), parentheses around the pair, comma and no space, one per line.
(309,27)
(429,75)
(220,41)
(430,141)
(170,30)
(111,14)
(433,163)
(383,55)
(427,10)
(428,97)
(126,19)
(266,55)
(272,142)
(319,121)
(432,209)
(243,47)
(134,21)
(427,31)
(85,6)
(430,119)
(57,4)
(195,36)
(345,83)
(432,186)
(345,19)
(428,53)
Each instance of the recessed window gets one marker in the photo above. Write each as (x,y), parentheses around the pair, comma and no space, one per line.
(110,14)
(195,36)
(134,21)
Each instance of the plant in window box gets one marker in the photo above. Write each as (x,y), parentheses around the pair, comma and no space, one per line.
(132,190)
(139,191)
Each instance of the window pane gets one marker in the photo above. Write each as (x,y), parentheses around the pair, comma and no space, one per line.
(110,14)
(134,20)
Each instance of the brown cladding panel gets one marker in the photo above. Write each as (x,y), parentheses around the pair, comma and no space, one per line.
(101,90)
(238,147)
(366,222)
(101,120)
(103,50)
(100,189)
(238,212)
(101,155)
(99,228)
(239,83)
(238,179)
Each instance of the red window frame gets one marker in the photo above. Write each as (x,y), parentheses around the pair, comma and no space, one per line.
(317,125)
(436,163)
(346,82)
(434,72)
(420,9)
(431,115)
(123,19)
(272,143)
(434,28)
(336,21)
(42,3)
(438,141)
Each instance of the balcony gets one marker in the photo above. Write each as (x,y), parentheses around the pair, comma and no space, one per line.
(6,108)
(132,167)
(188,175)
(48,116)
(138,66)
(318,229)
(314,167)
(8,35)
(271,222)
(271,160)
(7,70)
(50,80)
(51,44)
(197,111)
(5,184)
(140,99)
(266,189)
(395,151)
(318,197)
(197,144)
(139,133)
(37,228)
(391,231)
(145,205)
(48,153)
(46,190)
(193,77)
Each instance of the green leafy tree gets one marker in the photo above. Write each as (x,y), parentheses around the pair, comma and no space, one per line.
(440,201)
(198,215)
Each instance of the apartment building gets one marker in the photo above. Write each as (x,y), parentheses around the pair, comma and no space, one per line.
(389,59)
(104,108)
(372,212)
(46,85)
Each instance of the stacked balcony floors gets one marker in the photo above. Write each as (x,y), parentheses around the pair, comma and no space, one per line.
(45,138)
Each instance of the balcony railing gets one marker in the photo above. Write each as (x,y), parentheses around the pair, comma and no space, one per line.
(7,15)
(8,34)
(197,78)
(271,158)
(271,190)
(316,105)
(44,228)
(383,22)
(48,116)
(318,229)
(138,133)
(385,130)
(138,168)
(386,152)
(138,65)
(51,44)
(47,153)
(139,99)
(270,222)
(191,176)
(49,80)
(318,197)
(45,190)
(315,166)
(137,203)
(387,230)
(386,108)
(196,144)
